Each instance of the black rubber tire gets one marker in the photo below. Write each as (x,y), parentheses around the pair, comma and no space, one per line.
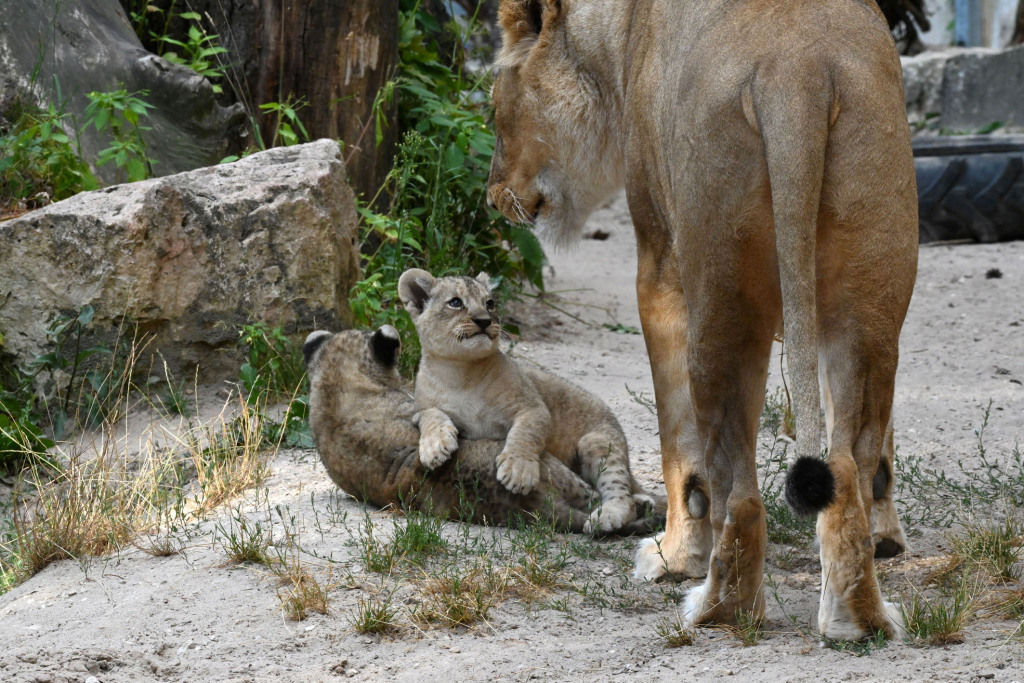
(970,188)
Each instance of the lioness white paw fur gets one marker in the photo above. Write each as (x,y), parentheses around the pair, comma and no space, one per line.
(650,563)
(516,473)
(439,438)
(611,516)
(692,606)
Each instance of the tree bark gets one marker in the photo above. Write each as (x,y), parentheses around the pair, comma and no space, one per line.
(1018,25)
(332,54)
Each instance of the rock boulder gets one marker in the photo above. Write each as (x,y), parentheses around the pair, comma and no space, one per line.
(189,258)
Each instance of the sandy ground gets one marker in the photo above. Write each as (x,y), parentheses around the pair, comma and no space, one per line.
(196,616)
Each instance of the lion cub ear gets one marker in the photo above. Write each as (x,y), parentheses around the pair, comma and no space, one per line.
(485,280)
(414,290)
(386,345)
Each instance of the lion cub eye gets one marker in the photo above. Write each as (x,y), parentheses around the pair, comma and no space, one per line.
(490,304)
(455,303)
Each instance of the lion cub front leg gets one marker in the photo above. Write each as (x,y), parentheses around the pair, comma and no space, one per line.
(439,437)
(519,462)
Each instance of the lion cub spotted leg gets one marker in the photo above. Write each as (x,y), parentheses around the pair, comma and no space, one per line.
(605,459)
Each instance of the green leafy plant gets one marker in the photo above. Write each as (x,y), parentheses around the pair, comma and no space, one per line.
(274,365)
(287,126)
(121,113)
(198,51)
(436,217)
(38,160)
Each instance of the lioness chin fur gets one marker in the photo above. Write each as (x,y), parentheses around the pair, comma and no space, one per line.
(766,157)
(361,417)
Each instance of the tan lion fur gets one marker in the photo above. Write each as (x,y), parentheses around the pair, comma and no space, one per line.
(361,417)
(464,375)
(766,157)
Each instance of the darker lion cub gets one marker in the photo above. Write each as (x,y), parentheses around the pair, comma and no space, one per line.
(464,375)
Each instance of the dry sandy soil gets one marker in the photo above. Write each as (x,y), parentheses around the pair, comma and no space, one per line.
(196,616)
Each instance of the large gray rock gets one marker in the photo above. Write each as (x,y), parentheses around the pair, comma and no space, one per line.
(965,90)
(190,258)
(57,52)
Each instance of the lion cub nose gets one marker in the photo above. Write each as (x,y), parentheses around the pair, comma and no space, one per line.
(482,323)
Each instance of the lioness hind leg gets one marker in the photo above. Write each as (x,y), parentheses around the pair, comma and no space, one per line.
(886,529)
(861,373)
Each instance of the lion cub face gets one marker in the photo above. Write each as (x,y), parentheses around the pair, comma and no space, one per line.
(454,316)
(556,155)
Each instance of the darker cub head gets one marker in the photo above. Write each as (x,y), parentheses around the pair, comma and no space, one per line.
(354,359)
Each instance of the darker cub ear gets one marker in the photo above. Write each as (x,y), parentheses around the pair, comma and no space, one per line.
(313,342)
(414,290)
(386,345)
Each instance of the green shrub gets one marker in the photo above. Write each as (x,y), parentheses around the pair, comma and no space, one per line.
(37,157)
(436,217)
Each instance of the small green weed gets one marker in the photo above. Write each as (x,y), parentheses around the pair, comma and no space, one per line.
(672,631)
(376,555)
(274,365)
(862,647)
(929,497)
(749,628)
(940,621)
(456,597)
(244,539)
(374,615)
(993,548)
(418,537)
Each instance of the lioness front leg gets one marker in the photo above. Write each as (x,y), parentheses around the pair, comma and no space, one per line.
(519,462)
(683,549)
(439,437)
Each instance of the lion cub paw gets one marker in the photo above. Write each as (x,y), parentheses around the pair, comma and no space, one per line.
(439,438)
(516,473)
(611,516)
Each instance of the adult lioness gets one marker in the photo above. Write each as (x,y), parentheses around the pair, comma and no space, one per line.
(766,158)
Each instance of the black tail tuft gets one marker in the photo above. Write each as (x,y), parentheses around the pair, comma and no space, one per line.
(810,486)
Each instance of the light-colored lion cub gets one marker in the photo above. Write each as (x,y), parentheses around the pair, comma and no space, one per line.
(486,395)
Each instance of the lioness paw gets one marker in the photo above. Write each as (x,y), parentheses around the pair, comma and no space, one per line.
(650,564)
(518,474)
(438,441)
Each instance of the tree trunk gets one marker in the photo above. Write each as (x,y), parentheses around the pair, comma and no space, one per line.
(1018,25)
(334,55)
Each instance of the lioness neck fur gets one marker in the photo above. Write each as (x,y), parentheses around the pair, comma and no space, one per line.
(360,413)
(766,157)
(464,375)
